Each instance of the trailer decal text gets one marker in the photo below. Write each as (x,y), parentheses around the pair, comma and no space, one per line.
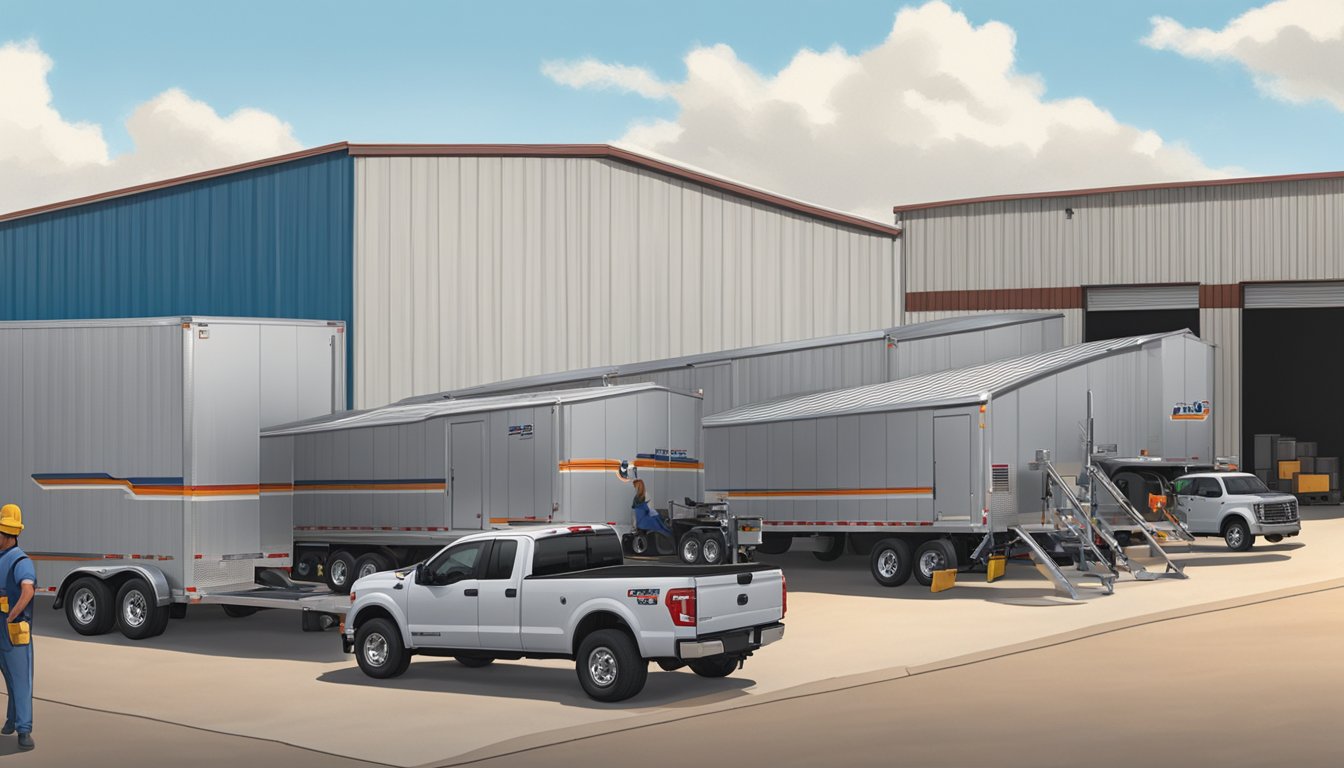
(1195,410)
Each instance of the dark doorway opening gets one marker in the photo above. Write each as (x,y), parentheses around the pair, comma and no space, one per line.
(1291,372)
(1099,326)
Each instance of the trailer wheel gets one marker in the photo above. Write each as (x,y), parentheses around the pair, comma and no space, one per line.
(775,543)
(834,549)
(712,548)
(138,614)
(609,666)
(689,549)
(340,572)
(379,649)
(1237,535)
(639,544)
(238,611)
(305,567)
(89,607)
(891,562)
(475,662)
(369,564)
(933,555)
(716,666)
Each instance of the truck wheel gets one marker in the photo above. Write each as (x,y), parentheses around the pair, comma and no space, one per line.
(1237,535)
(369,564)
(834,549)
(379,650)
(609,666)
(720,666)
(712,548)
(138,613)
(475,662)
(340,572)
(689,549)
(238,611)
(891,562)
(775,544)
(639,544)
(89,607)
(1273,538)
(933,555)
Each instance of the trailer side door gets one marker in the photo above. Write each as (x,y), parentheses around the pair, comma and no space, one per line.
(952,464)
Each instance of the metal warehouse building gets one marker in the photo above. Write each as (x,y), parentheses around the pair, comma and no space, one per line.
(456,265)
(1254,266)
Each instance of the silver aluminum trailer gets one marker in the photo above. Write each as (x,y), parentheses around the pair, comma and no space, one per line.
(132,446)
(736,377)
(379,489)
(937,462)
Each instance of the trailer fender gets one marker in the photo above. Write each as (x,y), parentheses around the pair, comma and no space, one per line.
(608,605)
(163,594)
(386,605)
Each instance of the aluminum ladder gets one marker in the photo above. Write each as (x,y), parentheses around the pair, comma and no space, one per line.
(1047,567)
(1145,528)
(1085,544)
(1179,528)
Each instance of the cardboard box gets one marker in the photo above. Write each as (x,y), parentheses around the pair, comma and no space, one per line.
(1289,468)
(1313,483)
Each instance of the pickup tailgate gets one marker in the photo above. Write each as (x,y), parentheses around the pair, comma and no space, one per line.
(738,600)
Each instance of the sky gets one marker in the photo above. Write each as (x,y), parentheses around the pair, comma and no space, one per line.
(856,105)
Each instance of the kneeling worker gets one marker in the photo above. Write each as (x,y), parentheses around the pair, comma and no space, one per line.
(16,645)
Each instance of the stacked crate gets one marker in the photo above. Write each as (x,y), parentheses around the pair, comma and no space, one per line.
(1292,466)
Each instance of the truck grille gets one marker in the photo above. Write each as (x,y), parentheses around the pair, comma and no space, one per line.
(1278,512)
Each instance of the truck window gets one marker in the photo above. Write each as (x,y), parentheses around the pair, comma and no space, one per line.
(604,549)
(461,558)
(501,559)
(575,552)
(1208,487)
(1237,484)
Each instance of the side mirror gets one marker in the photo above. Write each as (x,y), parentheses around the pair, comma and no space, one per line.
(420,572)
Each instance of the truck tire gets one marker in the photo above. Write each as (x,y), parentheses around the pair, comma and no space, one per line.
(238,611)
(775,544)
(138,615)
(891,562)
(713,550)
(689,548)
(834,549)
(369,564)
(340,572)
(90,607)
(715,666)
(379,649)
(609,666)
(1238,535)
(933,555)
(475,662)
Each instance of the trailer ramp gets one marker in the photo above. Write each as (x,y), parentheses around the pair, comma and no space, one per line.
(1049,569)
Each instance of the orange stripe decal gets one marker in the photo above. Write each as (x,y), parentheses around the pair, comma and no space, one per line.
(831,492)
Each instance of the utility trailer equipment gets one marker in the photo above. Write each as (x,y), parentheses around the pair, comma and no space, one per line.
(385,488)
(933,473)
(132,446)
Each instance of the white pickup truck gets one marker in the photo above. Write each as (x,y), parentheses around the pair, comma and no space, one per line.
(1235,506)
(564,593)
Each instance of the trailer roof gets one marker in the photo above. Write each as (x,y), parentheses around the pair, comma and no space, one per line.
(949,326)
(138,322)
(965,386)
(410,413)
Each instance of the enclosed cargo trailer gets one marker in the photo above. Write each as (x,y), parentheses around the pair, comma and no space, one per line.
(132,446)
(941,460)
(377,489)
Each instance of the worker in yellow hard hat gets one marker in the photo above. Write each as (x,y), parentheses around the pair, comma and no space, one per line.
(16,645)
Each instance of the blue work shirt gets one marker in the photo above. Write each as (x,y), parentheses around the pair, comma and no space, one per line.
(16,568)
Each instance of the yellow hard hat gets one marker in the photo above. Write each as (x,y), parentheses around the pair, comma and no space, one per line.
(11,519)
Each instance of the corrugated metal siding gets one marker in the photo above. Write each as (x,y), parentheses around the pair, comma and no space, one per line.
(472,270)
(272,242)
(1068,333)
(1222,328)
(1124,298)
(1287,295)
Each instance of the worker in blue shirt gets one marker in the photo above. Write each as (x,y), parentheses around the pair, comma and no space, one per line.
(16,645)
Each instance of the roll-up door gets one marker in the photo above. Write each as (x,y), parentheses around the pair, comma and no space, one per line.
(1293,295)
(1115,311)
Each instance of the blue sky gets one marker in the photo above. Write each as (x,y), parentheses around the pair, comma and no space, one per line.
(470,72)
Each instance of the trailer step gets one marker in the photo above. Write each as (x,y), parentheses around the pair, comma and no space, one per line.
(1146,529)
(1049,569)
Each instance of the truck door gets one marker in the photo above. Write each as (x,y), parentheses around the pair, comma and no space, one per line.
(499,615)
(466,475)
(952,467)
(442,613)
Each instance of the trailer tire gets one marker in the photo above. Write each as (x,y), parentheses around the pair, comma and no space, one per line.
(713,549)
(689,548)
(933,555)
(475,662)
(238,611)
(834,550)
(340,572)
(610,667)
(371,562)
(1237,535)
(716,666)
(639,544)
(90,607)
(379,649)
(775,544)
(306,566)
(138,614)
(891,562)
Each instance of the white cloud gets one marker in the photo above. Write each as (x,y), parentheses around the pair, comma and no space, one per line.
(46,158)
(937,110)
(591,73)
(1293,48)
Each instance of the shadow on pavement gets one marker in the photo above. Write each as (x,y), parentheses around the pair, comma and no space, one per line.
(513,680)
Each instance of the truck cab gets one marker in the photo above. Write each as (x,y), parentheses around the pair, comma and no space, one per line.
(1236,506)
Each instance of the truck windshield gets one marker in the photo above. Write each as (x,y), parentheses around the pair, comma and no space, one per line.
(1240,484)
(575,552)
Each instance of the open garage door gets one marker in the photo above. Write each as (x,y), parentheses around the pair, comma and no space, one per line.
(1114,312)
(1291,367)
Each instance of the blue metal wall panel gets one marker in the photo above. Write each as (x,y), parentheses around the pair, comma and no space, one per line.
(270,242)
